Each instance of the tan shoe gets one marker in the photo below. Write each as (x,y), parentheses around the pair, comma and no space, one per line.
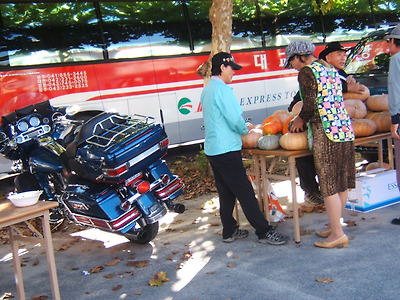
(344,240)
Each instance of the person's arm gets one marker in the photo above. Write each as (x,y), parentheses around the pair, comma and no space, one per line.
(232,112)
(394,94)
(308,87)
(296,99)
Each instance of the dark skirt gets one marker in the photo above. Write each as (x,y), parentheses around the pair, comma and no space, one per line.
(334,162)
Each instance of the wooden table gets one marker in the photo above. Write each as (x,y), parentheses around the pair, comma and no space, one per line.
(261,173)
(10,216)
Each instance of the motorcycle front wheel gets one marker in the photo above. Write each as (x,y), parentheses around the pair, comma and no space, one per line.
(144,235)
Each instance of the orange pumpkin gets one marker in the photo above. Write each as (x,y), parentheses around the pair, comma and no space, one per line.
(250,140)
(294,141)
(269,123)
(378,102)
(363,127)
(360,96)
(355,108)
(282,114)
(271,128)
(270,119)
(285,126)
(381,119)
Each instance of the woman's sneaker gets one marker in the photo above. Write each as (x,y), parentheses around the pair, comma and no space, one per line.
(238,234)
(273,238)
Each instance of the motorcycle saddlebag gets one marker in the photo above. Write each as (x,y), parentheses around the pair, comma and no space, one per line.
(119,147)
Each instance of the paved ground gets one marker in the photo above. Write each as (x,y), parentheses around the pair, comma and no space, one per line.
(96,265)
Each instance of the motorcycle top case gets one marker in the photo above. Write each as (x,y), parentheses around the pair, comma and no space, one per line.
(119,147)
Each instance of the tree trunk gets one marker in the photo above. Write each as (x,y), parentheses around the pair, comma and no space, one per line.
(221,20)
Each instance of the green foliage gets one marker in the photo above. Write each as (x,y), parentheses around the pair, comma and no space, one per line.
(202,164)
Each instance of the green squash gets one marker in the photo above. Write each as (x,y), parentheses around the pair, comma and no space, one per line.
(269,142)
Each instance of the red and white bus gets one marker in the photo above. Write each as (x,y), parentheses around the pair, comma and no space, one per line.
(141,57)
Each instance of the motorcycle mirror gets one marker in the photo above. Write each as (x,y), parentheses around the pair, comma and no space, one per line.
(3,137)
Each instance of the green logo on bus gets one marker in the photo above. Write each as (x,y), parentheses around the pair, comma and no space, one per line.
(185,106)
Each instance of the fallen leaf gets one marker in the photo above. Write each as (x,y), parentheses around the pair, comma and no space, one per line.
(211,272)
(114,262)
(96,269)
(139,264)
(324,279)
(8,296)
(89,292)
(186,255)
(116,288)
(62,247)
(175,252)
(351,223)
(214,224)
(236,257)
(36,262)
(178,221)
(40,297)
(108,276)
(231,265)
(169,257)
(159,278)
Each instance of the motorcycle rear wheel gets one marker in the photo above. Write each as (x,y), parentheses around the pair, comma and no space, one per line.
(147,234)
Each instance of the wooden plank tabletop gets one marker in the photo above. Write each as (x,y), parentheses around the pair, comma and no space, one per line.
(283,152)
(10,213)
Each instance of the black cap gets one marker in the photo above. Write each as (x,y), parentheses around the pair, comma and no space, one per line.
(332,47)
(224,58)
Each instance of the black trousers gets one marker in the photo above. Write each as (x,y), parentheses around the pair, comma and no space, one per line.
(232,183)
(306,170)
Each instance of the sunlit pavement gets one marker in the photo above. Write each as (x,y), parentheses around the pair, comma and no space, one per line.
(93,264)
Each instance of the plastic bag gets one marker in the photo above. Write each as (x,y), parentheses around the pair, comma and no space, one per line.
(276,212)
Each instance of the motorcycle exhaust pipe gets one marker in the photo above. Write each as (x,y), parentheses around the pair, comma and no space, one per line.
(176,207)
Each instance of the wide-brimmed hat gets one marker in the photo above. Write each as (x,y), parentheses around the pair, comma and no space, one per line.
(332,47)
(224,58)
(299,48)
(395,34)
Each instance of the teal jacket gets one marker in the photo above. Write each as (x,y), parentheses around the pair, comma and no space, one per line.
(223,119)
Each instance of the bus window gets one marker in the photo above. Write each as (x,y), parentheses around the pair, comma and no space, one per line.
(200,25)
(144,28)
(246,29)
(340,23)
(42,33)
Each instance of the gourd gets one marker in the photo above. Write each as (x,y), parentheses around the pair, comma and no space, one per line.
(381,119)
(294,141)
(363,127)
(268,142)
(297,108)
(250,139)
(355,108)
(271,125)
(360,96)
(378,102)
(282,114)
